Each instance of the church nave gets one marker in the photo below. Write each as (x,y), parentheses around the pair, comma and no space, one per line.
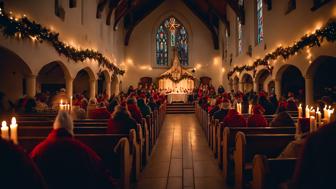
(181,158)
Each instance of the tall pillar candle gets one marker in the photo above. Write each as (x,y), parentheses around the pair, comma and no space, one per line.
(300,111)
(13,131)
(4,131)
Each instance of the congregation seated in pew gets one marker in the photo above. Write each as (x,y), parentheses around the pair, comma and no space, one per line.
(234,119)
(100,112)
(134,109)
(68,163)
(224,108)
(282,118)
(257,119)
(121,121)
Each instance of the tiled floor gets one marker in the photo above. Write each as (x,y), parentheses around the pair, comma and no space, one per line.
(181,158)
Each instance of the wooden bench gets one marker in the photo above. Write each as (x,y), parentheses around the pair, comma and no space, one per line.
(38,131)
(226,140)
(248,145)
(269,173)
(116,150)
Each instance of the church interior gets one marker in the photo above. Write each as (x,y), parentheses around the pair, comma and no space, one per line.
(167,94)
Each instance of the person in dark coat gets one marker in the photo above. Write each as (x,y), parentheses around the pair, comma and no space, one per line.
(233,119)
(316,165)
(282,119)
(17,169)
(68,163)
(152,104)
(224,108)
(143,107)
(121,121)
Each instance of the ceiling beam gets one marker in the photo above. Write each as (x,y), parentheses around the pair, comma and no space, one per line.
(112,5)
(123,8)
(100,8)
(206,21)
(239,10)
(137,15)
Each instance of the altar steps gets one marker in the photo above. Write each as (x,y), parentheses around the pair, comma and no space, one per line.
(180,108)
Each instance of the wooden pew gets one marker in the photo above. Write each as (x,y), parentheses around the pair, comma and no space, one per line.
(248,145)
(226,140)
(44,131)
(269,173)
(115,150)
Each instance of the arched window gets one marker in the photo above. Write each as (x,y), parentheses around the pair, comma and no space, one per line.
(260,24)
(171,34)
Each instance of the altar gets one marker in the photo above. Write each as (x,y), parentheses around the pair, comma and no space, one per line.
(177,97)
(176,81)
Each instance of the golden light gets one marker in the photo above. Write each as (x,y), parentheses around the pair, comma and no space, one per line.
(129,61)
(216,60)
(223,70)
(318,25)
(198,66)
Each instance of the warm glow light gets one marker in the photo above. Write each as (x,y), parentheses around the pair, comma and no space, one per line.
(216,61)
(198,66)
(4,124)
(13,121)
(129,61)
(223,70)
(318,25)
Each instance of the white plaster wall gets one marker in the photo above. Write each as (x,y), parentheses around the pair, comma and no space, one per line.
(279,28)
(140,53)
(92,33)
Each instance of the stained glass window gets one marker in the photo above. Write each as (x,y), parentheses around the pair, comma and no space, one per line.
(239,36)
(161,47)
(260,35)
(171,34)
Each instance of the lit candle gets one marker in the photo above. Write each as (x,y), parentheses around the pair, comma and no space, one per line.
(250,109)
(331,115)
(307,111)
(4,131)
(325,114)
(300,111)
(61,105)
(312,111)
(312,123)
(13,131)
(318,117)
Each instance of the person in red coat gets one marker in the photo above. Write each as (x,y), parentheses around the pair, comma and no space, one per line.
(100,112)
(257,119)
(68,163)
(121,121)
(233,119)
(134,110)
(17,169)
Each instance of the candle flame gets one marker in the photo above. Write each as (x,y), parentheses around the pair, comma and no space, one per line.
(4,124)
(300,106)
(13,121)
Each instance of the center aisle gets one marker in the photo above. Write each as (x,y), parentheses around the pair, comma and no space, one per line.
(181,158)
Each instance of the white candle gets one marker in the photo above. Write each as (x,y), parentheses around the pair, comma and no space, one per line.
(61,105)
(4,130)
(307,111)
(250,109)
(312,123)
(300,111)
(331,115)
(325,114)
(318,117)
(13,131)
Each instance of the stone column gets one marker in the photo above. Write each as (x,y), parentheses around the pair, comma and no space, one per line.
(93,88)
(69,86)
(31,85)
(241,86)
(309,91)
(277,85)
(255,86)
(108,87)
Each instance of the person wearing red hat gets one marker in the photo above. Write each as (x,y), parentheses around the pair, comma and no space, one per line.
(234,119)
(257,119)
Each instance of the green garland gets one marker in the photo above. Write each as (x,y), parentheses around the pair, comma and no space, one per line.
(328,33)
(26,28)
(169,76)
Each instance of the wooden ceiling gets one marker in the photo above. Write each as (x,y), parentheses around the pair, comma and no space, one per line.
(131,12)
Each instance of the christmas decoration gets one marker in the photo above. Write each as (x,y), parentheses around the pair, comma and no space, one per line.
(170,76)
(327,33)
(23,28)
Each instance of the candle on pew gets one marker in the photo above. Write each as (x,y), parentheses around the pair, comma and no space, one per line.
(61,105)
(300,111)
(4,130)
(331,115)
(318,117)
(13,131)
(250,109)
(307,111)
(312,111)
(325,114)
(312,124)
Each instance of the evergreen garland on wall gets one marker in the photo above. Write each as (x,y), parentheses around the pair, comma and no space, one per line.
(328,33)
(23,28)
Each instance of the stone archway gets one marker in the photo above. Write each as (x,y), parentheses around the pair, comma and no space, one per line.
(247,83)
(85,83)
(293,82)
(16,78)
(260,79)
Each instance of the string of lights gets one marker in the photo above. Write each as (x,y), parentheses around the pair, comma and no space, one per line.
(328,33)
(24,28)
